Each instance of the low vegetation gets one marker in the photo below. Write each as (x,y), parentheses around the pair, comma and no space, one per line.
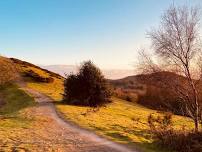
(37,77)
(167,136)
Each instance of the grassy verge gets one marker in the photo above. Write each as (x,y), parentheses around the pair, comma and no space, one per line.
(12,119)
(52,90)
(14,100)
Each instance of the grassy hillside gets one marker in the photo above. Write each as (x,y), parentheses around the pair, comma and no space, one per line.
(120,121)
(52,89)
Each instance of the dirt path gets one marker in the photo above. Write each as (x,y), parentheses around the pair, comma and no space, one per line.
(54,134)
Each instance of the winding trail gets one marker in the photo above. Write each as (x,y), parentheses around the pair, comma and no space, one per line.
(62,136)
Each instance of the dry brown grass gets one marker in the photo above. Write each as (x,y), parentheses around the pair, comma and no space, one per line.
(8,70)
(166,136)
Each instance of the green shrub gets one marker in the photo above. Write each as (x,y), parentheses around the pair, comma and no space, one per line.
(88,87)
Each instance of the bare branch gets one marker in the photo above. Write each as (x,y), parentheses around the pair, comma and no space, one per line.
(177,42)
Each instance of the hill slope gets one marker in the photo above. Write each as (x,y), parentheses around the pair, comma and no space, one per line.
(120,121)
(152,90)
(36,78)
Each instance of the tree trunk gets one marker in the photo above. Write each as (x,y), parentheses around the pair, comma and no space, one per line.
(197,111)
(195,95)
(196,120)
(196,123)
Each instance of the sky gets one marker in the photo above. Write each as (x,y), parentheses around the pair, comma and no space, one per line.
(67,32)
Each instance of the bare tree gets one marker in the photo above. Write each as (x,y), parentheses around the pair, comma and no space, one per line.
(176,42)
(8,71)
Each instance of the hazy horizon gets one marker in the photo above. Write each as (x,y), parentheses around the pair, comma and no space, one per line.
(108,73)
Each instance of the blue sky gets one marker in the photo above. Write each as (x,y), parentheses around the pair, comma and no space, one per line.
(109,32)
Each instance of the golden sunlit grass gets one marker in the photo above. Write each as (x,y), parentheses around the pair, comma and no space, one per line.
(52,90)
(120,121)
(36,70)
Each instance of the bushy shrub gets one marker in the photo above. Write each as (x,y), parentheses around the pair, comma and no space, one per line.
(160,122)
(8,70)
(36,77)
(180,141)
(88,87)
(175,140)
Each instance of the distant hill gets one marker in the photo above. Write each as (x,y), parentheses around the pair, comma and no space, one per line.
(150,90)
(109,73)
(147,79)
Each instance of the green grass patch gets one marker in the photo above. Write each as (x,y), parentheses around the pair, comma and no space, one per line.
(15,101)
